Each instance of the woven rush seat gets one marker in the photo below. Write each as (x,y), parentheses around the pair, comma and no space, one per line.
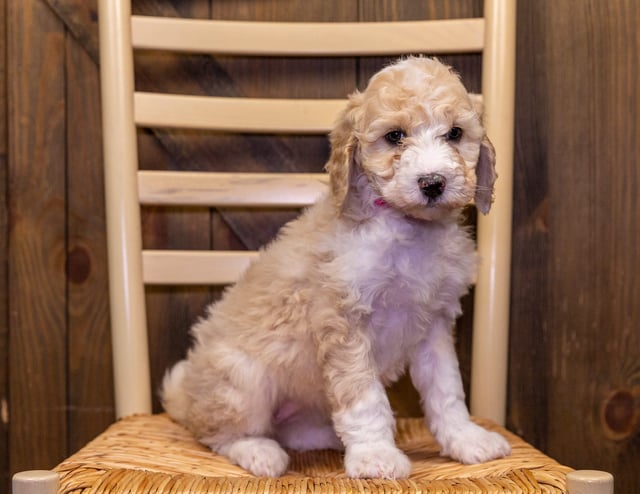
(151,453)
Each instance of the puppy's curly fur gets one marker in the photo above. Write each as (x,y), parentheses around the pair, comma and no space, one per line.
(365,284)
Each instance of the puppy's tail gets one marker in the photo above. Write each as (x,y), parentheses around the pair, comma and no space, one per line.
(175,399)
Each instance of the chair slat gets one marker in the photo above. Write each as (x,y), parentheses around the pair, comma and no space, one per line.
(231,189)
(308,38)
(180,267)
(249,115)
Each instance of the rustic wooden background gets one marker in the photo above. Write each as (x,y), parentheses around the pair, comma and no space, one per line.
(576,280)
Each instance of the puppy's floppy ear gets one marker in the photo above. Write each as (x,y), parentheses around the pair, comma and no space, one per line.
(486,167)
(485,176)
(344,146)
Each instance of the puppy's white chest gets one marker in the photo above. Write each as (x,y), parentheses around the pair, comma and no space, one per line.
(405,279)
(393,267)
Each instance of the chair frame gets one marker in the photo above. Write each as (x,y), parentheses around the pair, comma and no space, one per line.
(493,36)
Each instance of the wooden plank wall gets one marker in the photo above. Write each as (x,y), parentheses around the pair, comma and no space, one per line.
(575,313)
(575,348)
(37,233)
(4,299)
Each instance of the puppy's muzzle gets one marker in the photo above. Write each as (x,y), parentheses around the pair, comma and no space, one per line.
(432,186)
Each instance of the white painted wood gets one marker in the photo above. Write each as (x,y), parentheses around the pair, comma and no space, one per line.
(127,304)
(308,38)
(231,189)
(589,482)
(173,267)
(490,353)
(35,482)
(249,115)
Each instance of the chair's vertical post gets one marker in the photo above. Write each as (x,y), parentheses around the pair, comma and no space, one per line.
(126,289)
(491,310)
(589,482)
(35,482)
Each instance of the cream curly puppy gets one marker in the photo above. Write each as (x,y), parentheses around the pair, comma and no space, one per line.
(365,284)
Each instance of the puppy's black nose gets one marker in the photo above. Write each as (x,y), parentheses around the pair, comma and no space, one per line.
(432,185)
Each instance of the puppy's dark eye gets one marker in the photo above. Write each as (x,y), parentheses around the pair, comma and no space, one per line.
(395,137)
(454,134)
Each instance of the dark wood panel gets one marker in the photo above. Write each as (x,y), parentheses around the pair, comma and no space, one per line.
(37,284)
(575,314)
(90,397)
(80,19)
(594,342)
(271,77)
(4,292)
(530,301)
(409,9)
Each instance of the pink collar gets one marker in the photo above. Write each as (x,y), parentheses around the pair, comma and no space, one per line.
(381,203)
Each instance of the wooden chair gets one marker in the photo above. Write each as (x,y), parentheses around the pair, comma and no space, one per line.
(149,453)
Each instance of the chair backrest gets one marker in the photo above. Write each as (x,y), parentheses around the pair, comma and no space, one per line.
(127,187)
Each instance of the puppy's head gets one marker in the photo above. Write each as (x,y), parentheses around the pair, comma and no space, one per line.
(413,140)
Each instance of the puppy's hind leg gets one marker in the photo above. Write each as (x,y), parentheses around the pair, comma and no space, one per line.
(246,440)
(262,456)
(232,415)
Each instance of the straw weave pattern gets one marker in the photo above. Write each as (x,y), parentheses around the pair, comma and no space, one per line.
(150,454)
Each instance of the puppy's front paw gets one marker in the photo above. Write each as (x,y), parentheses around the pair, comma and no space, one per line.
(376,460)
(474,444)
(261,456)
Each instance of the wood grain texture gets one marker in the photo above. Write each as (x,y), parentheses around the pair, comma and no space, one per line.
(575,310)
(530,245)
(80,20)
(90,405)
(594,342)
(37,359)
(4,289)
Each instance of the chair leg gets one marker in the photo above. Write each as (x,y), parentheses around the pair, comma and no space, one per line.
(35,482)
(589,482)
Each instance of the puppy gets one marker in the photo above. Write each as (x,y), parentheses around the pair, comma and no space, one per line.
(363,285)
